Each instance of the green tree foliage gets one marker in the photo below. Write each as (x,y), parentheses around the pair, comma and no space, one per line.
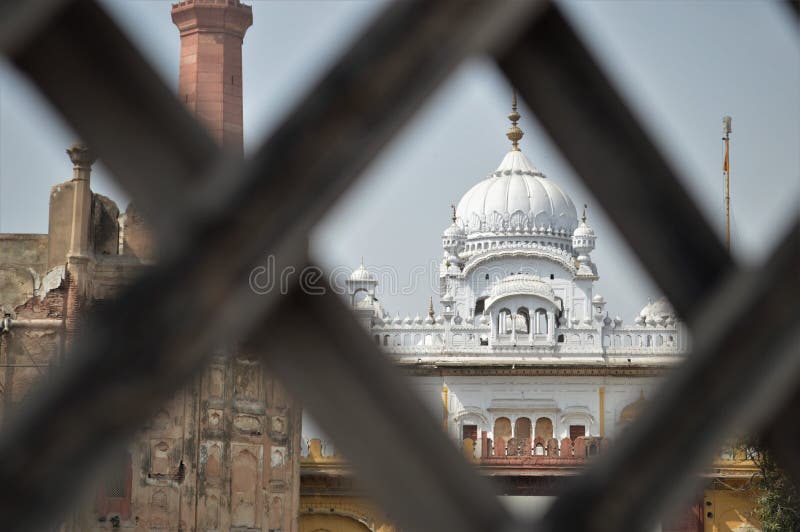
(778,503)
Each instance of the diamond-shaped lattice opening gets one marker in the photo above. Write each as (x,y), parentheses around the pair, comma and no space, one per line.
(243,426)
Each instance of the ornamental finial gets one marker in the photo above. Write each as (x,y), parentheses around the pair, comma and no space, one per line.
(454,212)
(583,218)
(514,133)
(430,306)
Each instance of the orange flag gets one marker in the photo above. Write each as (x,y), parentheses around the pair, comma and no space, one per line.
(726,162)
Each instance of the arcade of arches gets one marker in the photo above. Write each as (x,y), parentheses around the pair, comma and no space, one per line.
(522,428)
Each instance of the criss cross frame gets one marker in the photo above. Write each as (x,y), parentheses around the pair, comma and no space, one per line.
(216,218)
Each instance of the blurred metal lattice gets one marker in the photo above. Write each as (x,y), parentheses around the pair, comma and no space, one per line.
(217,217)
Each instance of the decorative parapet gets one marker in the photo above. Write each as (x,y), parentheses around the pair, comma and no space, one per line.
(529,450)
(435,339)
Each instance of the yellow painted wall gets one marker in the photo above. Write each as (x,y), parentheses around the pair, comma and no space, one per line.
(730,511)
(320,513)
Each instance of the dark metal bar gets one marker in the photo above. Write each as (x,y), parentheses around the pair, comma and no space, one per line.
(349,116)
(742,368)
(94,76)
(783,436)
(199,297)
(578,106)
(21,19)
(391,438)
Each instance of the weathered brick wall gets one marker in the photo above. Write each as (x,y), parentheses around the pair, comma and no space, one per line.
(23,263)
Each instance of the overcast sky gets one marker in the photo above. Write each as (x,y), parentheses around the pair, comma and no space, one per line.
(682,66)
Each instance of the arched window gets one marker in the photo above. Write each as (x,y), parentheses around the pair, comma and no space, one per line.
(522,428)
(541,321)
(502,429)
(628,341)
(522,321)
(480,303)
(544,428)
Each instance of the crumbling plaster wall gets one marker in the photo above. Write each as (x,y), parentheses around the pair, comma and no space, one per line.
(23,264)
(222,453)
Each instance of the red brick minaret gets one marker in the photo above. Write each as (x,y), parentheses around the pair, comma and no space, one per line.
(210,80)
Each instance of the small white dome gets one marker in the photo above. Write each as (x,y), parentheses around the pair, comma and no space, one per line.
(516,196)
(584,231)
(454,231)
(597,299)
(660,308)
(361,274)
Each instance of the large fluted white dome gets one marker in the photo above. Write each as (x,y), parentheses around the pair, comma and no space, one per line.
(517,197)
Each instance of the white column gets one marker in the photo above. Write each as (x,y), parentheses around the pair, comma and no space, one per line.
(530,328)
(551,325)
(514,328)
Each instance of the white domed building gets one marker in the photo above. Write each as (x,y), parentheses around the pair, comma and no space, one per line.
(517,279)
(522,358)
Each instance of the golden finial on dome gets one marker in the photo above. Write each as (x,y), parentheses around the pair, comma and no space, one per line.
(454,212)
(430,306)
(514,133)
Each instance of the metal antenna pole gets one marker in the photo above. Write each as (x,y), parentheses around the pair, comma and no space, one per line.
(726,168)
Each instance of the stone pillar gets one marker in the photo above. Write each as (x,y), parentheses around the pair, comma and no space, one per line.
(551,325)
(82,161)
(493,333)
(210,80)
(514,329)
(79,254)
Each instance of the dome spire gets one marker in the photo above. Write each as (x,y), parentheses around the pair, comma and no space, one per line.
(514,133)
(583,218)
(430,306)
(452,206)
